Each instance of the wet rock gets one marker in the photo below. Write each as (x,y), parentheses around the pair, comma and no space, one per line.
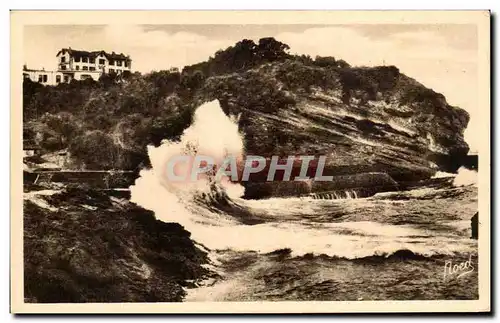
(119,253)
(474,226)
(364,184)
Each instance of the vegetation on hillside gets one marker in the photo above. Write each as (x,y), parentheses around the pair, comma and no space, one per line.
(108,124)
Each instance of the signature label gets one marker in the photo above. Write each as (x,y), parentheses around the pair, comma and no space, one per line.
(457,269)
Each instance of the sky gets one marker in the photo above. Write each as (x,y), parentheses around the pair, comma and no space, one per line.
(442,57)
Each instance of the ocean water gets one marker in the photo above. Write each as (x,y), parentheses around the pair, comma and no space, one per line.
(393,245)
(375,248)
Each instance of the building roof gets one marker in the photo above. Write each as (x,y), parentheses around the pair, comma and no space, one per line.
(84,53)
(37,70)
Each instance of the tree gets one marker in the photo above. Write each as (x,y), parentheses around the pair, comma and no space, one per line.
(132,132)
(271,50)
(58,129)
(304,59)
(327,61)
(235,58)
(95,150)
(30,104)
(108,79)
(243,55)
(192,81)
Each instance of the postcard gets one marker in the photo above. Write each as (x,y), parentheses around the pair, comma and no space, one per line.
(250,161)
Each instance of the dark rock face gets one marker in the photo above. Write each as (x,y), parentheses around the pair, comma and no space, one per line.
(363,119)
(89,248)
(364,184)
(470,162)
(452,162)
(474,226)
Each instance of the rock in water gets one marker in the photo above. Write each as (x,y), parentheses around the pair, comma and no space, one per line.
(474,226)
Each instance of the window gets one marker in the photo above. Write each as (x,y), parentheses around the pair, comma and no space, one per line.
(92,68)
(58,78)
(85,68)
(111,70)
(92,60)
(85,59)
(118,63)
(125,64)
(66,78)
(77,58)
(77,67)
(40,78)
(45,78)
(102,61)
(85,77)
(111,62)
(63,67)
(63,59)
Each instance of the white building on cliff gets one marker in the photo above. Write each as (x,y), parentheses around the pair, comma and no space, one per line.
(80,65)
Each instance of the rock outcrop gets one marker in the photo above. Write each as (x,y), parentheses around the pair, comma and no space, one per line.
(362,184)
(474,221)
(82,245)
(363,119)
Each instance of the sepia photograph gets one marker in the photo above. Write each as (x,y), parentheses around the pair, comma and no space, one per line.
(181,161)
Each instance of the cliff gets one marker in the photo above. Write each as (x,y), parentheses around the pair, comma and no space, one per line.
(371,119)
(364,119)
(82,245)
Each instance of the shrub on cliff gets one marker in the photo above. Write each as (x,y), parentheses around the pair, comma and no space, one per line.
(165,82)
(353,81)
(53,131)
(132,132)
(270,50)
(420,94)
(62,124)
(327,61)
(297,76)
(368,81)
(95,150)
(250,90)
(64,115)
(243,56)
(39,99)
(192,81)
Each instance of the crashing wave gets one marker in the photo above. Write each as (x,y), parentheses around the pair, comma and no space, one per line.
(219,219)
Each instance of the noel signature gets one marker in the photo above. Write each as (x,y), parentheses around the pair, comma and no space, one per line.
(457,270)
